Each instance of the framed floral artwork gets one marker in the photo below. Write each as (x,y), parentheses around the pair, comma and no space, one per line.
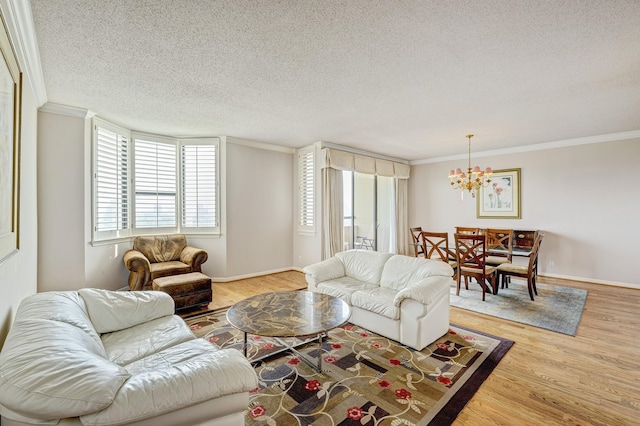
(500,199)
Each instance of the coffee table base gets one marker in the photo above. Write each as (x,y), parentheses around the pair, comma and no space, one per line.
(317,366)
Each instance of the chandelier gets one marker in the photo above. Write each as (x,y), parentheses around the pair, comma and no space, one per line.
(473,179)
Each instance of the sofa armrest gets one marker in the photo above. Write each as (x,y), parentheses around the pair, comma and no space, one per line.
(140,268)
(328,269)
(424,291)
(194,257)
(207,374)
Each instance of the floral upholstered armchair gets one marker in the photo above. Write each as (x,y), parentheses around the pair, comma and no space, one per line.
(156,256)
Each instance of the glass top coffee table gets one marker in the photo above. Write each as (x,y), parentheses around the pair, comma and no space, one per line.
(289,314)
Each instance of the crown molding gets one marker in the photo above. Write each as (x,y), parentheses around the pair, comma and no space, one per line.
(612,137)
(259,145)
(19,21)
(60,109)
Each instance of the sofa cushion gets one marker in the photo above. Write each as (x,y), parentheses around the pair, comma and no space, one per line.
(343,288)
(160,248)
(401,271)
(377,300)
(364,265)
(182,375)
(116,310)
(140,341)
(51,369)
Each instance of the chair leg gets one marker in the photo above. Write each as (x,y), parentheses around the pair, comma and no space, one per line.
(530,287)
(458,285)
(535,289)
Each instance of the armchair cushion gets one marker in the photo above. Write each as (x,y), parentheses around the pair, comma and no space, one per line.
(160,248)
(165,269)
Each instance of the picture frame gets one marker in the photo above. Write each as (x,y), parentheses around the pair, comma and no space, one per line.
(10,123)
(500,199)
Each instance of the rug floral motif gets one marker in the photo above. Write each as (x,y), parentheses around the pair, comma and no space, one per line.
(366,380)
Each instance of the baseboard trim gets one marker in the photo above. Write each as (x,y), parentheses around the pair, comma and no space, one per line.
(256,274)
(592,281)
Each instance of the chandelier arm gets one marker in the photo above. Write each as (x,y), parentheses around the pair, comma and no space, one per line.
(481,179)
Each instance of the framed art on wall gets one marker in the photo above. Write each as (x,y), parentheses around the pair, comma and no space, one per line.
(501,198)
(10,107)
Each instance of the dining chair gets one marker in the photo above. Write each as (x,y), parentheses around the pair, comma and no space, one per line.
(416,241)
(435,245)
(530,272)
(470,255)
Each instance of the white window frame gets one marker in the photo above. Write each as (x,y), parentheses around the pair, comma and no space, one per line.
(306,212)
(105,236)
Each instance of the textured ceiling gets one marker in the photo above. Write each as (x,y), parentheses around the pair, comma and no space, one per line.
(407,79)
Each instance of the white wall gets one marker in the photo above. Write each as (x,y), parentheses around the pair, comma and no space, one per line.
(256,217)
(259,215)
(18,273)
(61,183)
(583,198)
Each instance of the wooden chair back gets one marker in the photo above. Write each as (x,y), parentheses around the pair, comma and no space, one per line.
(436,246)
(466,230)
(471,257)
(416,240)
(500,242)
(533,259)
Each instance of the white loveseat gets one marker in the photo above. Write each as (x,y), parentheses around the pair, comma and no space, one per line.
(98,357)
(403,298)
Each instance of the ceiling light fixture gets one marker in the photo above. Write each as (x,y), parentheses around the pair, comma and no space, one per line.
(473,180)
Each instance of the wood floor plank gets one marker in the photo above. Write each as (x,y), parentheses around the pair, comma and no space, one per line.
(546,378)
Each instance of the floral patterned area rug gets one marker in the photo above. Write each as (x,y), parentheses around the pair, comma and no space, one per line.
(366,380)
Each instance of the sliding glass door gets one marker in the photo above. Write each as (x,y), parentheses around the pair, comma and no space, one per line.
(369,212)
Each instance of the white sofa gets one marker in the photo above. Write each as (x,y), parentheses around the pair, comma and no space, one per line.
(98,357)
(400,297)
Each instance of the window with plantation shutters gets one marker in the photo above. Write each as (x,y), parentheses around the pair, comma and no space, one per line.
(155,183)
(110,181)
(145,184)
(199,207)
(306,217)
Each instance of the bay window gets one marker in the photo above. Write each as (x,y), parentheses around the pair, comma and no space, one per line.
(145,184)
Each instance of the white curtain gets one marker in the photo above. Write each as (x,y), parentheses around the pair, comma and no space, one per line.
(334,162)
(332,208)
(402,219)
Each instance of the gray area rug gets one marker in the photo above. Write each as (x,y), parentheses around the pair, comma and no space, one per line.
(556,308)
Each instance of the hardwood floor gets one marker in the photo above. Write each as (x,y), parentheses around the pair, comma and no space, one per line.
(546,378)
